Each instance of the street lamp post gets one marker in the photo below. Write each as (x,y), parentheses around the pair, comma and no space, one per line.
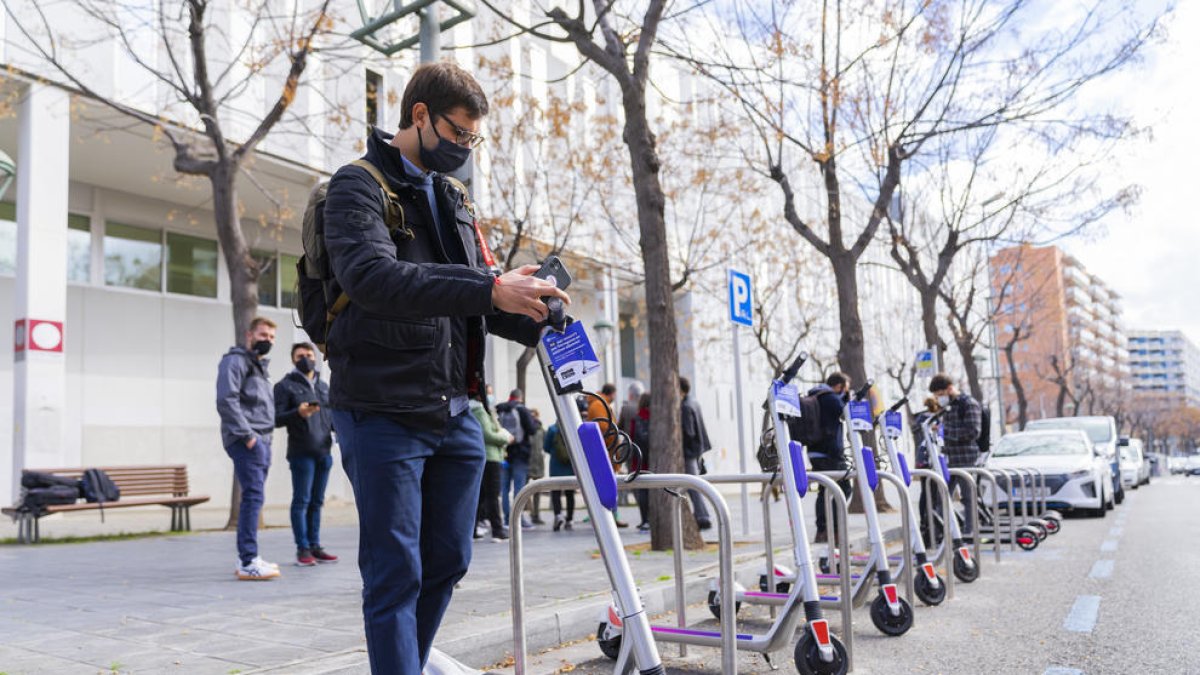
(603,329)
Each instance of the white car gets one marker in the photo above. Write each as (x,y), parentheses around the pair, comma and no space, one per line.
(1077,474)
(1135,470)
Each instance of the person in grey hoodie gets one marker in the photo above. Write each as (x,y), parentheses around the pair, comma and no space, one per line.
(246,404)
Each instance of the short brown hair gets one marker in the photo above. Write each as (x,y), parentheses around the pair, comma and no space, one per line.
(303,345)
(940,382)
(838,378)
(442,87)
(261,321)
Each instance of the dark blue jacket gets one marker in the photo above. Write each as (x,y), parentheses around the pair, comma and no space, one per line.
(245,400)
(529,425)
(312,437)
(413,335)
(830,452)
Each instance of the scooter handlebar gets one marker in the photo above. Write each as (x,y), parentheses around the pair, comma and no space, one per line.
(898,404)
(557,318)
(864,391)
(794,368)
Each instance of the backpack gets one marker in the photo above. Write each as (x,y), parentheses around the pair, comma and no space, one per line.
(641,435)
(510,419)
(36,479)
(561,451)
(313,272)
(985,428)
(767,455)
(97,487)
(807,428)
(36,499)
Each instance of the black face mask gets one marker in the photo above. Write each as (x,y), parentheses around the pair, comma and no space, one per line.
(261,347)
(446,157)
(305,365)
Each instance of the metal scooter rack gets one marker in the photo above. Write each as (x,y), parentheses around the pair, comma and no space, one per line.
(728,637)
(988,475)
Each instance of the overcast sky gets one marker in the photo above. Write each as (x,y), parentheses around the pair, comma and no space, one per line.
(1151,256)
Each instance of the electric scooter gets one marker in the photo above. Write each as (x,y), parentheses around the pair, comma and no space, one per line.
(965,567)
(818,650)
(929,586)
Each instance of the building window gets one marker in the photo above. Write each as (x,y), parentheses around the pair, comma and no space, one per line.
(374,87)
(268,277)
(191,265)
(132,257)
(287,281)
(79,248)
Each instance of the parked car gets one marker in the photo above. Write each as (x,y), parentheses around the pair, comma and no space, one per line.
(1191,465)
(1102,430)
(1135,468)
(1077,473)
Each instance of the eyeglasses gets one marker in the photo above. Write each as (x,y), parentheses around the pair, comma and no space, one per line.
(464,137)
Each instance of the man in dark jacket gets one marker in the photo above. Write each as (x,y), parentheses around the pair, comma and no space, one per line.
(829,453)
(246,405)
(302,405)
(406,353)
(961,423)
(695,444)
(518,421)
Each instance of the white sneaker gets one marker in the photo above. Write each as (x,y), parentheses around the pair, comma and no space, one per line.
(526,523)
(237,567)
(257,570)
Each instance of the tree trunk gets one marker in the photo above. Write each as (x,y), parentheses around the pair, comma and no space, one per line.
(929,323)
(523,366)
(665,438)
(243,280)
(851,352)
(970,369)
(1018,389)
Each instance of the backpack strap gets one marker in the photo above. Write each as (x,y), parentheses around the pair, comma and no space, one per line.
(488,258)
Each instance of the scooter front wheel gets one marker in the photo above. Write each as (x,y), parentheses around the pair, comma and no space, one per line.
(780,586)
(888,623)
(714,605)
(610,647)
(928,593)
(965,571)
(808,657)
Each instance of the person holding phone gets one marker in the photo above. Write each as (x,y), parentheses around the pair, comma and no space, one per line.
(302,405)
(407,353)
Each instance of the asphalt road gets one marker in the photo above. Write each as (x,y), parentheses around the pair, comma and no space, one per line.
(1105,595)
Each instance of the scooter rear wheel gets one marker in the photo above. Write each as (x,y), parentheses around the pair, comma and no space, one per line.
(1053,525)
(964,571)
(888,623)
(808,657)
(714,605)
(927,592)
(610,647)
(1027,539)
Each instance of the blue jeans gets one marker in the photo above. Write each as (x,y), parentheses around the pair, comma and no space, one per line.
(514,474)
(250,467)
(416,493)
(310,475)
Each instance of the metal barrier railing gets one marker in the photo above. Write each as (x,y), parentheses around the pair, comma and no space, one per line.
(945,556)
(973,500)
(681,481)
(991,476)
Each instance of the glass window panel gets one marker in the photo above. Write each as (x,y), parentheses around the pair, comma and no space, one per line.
(79,248)
(191,265)
(132,257)
(8,238)
(287,280)
(268,279)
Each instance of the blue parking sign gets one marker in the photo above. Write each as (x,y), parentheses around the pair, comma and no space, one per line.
(741,309)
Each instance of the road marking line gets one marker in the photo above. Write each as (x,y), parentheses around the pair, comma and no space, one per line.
(1115,532)
(1109,545)
(1059,670)
(1084,613)
(1103,569)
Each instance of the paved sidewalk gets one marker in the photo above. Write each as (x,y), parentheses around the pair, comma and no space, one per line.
(172,603)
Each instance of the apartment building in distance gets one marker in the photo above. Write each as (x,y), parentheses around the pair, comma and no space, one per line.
(1061,328)
(1165,365)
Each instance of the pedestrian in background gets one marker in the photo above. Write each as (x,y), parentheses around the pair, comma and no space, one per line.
(302,406)
(556,449)
(246,405)
(599,410)
(516,419)
(495,441)
(537,466)
(639,432)
(828,453)
(695,444)
(961,423)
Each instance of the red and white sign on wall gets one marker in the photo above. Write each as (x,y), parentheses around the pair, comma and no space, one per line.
(36,335)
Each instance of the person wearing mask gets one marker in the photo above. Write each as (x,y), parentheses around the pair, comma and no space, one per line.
(520,424)
(961,425)
(302,405)
(599,410)
(639,432)
(246,405)
(537,466)
(695,444)
(408,348)
(495,440)
(829,452)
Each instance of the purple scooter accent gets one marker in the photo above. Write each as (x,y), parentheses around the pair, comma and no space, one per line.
(693,631)
(904,472)
(945,468)
(597,458)
(869,464)
(798,470)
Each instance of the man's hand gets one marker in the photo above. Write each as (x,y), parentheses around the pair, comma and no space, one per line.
(519,292)
(252,442)
(307,410)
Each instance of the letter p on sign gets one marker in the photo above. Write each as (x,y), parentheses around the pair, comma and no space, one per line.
(741,308)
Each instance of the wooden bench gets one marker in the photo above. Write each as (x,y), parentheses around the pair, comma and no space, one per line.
(139,485)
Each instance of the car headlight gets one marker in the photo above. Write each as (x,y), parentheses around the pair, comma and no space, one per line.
(1079,474)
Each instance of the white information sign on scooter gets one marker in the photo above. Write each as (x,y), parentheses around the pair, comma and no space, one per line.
(860,415)
(571,354)
(893,423)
